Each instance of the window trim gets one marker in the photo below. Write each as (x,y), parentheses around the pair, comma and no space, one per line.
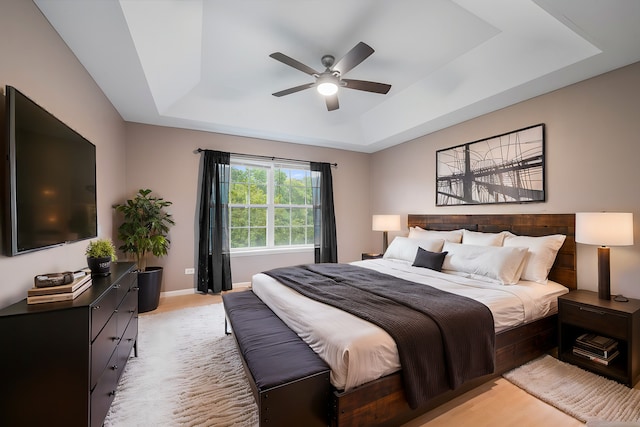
(243,252)
(271,248)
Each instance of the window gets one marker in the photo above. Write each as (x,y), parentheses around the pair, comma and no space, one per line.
(270,205)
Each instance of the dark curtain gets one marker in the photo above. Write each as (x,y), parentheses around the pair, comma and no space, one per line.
(324,219)
(214,268)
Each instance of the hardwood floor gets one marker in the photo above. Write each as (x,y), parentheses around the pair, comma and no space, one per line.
(183,301)
(496,403)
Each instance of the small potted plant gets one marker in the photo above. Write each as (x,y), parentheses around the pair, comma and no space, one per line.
(100,253)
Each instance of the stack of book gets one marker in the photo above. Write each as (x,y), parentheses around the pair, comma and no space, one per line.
(596,348)
(68,292)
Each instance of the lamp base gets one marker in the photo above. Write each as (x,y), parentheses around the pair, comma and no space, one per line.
(604,278)
(385,241)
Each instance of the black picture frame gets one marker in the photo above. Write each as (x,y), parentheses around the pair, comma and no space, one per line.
(506,168)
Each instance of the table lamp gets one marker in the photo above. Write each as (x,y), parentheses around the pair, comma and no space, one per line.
(385,223)
(604,229)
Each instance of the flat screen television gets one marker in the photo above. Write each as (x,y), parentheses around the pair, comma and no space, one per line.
(50,182)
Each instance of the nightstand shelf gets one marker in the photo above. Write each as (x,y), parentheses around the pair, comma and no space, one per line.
(582,312)
(371,256)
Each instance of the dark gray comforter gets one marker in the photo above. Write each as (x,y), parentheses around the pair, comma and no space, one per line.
(443,339)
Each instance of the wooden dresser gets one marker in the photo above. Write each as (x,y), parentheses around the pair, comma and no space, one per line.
(60,362)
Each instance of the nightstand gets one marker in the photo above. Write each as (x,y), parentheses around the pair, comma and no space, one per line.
(582,311)
(371,256)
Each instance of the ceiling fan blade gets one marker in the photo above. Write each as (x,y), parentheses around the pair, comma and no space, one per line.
(332,102)
(366,86)
(294,89)
(293,63)
(355,56)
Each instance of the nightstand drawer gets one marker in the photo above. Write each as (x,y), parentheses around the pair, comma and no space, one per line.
(595,319)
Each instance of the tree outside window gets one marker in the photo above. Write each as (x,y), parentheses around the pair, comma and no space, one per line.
(270,205)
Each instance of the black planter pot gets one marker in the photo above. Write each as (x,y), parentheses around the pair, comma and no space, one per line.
(99,266)
(149,285)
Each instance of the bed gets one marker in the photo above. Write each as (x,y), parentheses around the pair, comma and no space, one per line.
(375,394)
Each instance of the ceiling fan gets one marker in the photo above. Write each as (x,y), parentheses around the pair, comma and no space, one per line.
(328,81)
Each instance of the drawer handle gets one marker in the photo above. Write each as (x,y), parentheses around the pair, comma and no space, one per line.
(132,310)
(112,393)
(135,288)
(114,367)
(96,307)
(592,310)
(116,286)
(116,338)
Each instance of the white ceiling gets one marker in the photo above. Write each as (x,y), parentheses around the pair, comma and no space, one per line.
(204,64)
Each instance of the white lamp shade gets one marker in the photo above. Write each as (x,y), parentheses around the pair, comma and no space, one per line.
(604,228)
(386,223)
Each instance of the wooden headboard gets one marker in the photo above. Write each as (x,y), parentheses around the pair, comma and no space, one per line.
(563,270)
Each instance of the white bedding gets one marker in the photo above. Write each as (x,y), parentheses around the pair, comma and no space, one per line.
(358,351)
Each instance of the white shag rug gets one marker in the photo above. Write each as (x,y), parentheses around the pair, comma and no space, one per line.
(579,393)
(187,373)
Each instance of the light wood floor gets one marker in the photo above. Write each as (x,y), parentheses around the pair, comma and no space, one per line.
(497,403)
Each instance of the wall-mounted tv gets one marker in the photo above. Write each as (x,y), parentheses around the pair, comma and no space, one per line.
(50,182)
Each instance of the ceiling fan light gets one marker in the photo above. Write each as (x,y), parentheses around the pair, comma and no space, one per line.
(327,88)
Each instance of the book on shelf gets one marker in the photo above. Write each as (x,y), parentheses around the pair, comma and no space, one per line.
(60,289)
(58,297)
(596,341)
(595,357)
(597,351)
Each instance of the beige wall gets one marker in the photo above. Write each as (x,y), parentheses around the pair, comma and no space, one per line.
(37,62)
(163,160)
(592,163)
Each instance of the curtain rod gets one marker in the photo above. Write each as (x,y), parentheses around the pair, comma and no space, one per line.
(256,156)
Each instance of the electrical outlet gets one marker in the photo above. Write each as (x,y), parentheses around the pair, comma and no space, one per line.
(189,271)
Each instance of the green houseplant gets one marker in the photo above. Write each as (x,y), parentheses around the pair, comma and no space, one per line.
(145,231)
(100,253)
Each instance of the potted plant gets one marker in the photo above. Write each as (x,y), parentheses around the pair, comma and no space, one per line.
(143,232)
(100,253)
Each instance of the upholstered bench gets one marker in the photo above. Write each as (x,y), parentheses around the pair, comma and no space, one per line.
(290,382)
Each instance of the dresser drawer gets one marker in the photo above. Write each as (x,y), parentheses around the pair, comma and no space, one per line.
(102,349)
(125,285)
(127,310)
(126,343)
(594,319)
(102,310)
(103,394)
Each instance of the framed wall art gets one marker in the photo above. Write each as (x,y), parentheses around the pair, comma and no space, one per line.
(507,168)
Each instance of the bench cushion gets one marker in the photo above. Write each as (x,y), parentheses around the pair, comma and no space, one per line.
(274,354)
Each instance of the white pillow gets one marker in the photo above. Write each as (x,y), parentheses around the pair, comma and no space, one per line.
(541,255)
(406,249)
(482,239)
(500,264)
(454,236)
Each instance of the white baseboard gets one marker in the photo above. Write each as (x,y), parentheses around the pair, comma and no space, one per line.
(194,291)
(177,293)
(242,285)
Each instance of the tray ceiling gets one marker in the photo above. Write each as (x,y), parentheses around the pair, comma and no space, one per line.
(204,64)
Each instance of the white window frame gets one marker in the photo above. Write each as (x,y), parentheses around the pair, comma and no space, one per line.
(271,248)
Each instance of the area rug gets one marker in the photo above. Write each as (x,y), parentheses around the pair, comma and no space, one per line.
(579,393)
(187,373)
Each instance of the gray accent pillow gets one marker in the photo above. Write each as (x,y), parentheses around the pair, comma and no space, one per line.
(431,260)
